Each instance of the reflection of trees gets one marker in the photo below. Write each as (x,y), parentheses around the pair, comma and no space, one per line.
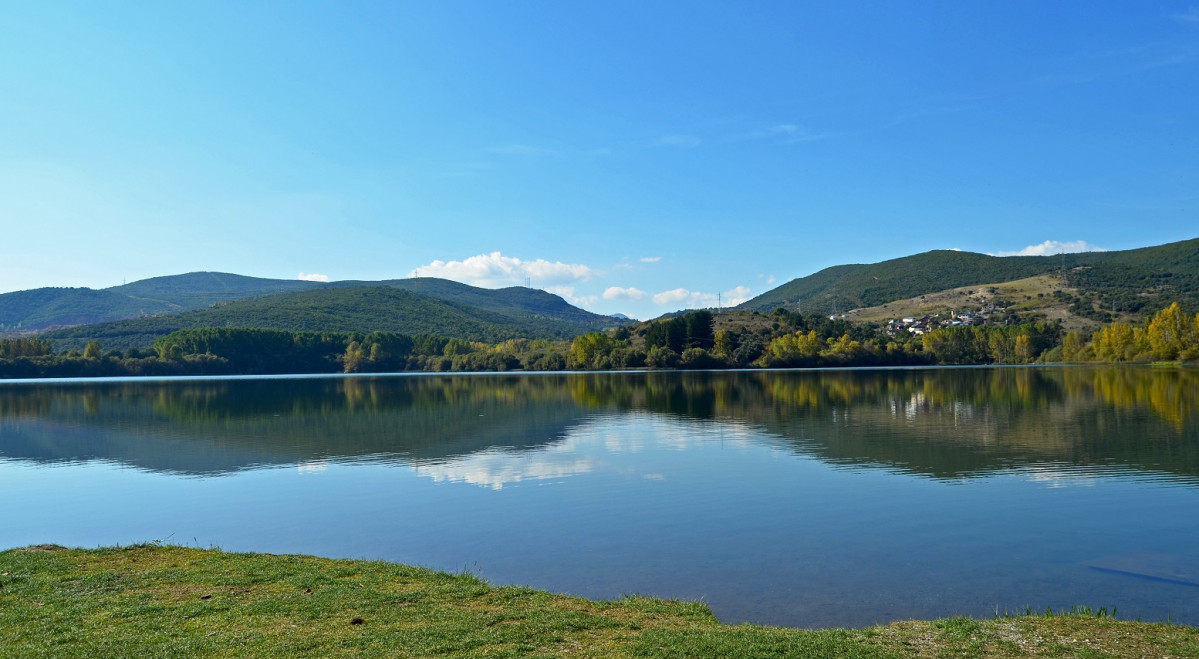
(224,425)
(940,422)
(944,422)
(1167,393)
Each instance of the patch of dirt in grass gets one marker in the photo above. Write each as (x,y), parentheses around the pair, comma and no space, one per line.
(33,549)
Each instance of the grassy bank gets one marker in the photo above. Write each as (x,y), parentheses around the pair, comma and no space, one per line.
(152,600)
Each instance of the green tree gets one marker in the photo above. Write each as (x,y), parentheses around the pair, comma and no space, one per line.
(353,358)
(25,347)
(659,357)
(1023,348)
(587,350)
(844,347)
(1072,345)
(722,344)
(1002,347)
(699,329)
(91,351)
(1118,342)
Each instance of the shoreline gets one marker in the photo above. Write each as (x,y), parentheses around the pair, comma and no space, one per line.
(165,599)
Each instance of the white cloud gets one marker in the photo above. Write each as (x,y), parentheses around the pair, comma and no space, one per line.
(495,468)
(651,259)
(737,295)
(618,293)
(668,297)
(568,293)
(1054,247)
(312,277)
(697,299)
(679,140)
(495,270)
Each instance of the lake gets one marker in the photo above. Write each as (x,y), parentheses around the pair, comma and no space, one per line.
(798,498)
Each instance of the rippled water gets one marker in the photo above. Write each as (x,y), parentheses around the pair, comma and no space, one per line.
(812,498)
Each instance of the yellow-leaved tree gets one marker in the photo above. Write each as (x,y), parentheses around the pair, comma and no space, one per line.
(1170,333)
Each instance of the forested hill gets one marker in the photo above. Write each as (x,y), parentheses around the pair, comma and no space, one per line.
(513,301)
(1136,281)
(336,309)
(196,290)
(49,307)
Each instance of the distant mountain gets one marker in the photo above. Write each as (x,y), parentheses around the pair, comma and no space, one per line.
(200,289)
(342,309)
(40,308)
(1136,281)
(542,313)
(49,307)
(514,301)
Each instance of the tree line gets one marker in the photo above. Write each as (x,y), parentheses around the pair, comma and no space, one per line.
(782,339)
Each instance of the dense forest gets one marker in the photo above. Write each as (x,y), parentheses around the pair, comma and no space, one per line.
(695,340)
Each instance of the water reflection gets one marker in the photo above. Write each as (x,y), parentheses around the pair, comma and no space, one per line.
(941,423)
(802,498)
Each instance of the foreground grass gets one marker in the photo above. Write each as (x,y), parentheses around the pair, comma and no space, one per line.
(163,601)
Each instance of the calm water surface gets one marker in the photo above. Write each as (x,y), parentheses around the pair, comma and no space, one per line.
(812,499)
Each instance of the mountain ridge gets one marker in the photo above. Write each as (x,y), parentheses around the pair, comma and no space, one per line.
(42,309)
(361,309)
(1131,281)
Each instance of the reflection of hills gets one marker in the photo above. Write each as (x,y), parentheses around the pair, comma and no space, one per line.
(943,423)
(210,427)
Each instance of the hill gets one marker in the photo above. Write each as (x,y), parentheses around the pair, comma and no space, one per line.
(335,309)
(195,290)
(1131,282)
(517,302)
(1044,296)
(39,308)
(43,308)
(54,308)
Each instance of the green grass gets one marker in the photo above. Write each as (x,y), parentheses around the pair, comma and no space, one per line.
(151,600)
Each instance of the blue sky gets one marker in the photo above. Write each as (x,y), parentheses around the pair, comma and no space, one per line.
(634,157)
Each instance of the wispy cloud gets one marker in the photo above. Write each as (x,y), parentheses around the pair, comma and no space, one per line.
(495,269)
(618,293)
(312,276)
(650,259)
(697,299)
(519,150)
(686,141)
(1189,16)
(936,110)
(781,133)
(1053,247)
